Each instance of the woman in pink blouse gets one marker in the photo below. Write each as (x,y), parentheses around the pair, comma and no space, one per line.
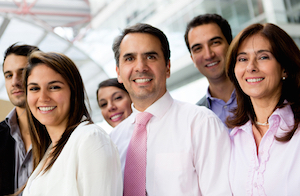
(263,62)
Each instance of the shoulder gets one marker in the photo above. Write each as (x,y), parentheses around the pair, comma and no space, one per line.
(192,109)
(85,132)
(4,129)
(203,101)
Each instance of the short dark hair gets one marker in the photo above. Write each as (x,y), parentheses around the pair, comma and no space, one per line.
(207,19)
(287,55)
(111,82)
(22,50)
(142,28)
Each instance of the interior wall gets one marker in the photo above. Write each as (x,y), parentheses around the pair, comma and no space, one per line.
(5,108)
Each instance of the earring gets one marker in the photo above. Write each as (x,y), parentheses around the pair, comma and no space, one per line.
(283,78)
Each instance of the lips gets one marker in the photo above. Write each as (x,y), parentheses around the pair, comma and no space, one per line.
(142,80)
(17,91)
(212,64)
(47,108)
(252,80)
(116,117)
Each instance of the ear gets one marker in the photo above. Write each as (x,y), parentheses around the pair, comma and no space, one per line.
(193,60)
(284,74)
(168,73)
(118,72)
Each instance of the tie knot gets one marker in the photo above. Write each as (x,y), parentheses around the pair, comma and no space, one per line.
(143,118)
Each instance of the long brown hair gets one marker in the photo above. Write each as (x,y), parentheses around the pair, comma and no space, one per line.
(287,55)
(78,109)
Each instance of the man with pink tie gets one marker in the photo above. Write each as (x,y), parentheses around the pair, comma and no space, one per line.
(167,147)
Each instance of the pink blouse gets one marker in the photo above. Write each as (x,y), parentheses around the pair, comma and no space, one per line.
(275,169)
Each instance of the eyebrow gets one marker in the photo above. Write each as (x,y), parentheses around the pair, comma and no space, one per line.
(212,39)
(151,52)
(145,53)
(52,82)
(259,51)
(9,71)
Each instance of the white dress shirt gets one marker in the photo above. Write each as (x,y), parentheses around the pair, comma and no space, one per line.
(188,149)
(88,165)
(275,169)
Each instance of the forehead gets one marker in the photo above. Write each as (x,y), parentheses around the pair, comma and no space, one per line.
(205,32)
(140,43)
(14,62)
(42,72)
(254,43)
(108,91)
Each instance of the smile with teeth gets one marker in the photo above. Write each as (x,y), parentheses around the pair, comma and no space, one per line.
(142,80)
(254,79)
(211,64)
(45,109)
(116,116)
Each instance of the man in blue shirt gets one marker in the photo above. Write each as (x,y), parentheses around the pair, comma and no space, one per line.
(207,38)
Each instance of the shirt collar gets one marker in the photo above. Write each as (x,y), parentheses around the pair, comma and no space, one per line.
(285,115)
(157,109)
(209,97)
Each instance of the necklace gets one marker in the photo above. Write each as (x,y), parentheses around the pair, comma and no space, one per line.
(263,124)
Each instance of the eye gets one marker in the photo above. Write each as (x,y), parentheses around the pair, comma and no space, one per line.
(118,97)
(264,57)
(34,88)
(197,49)
(102,105)
(7,76)
(129,59)
(241,59)
(216,42)
(151,57)
(54,87)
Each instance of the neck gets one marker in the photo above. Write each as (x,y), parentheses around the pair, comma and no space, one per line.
(221,89)
(23,126)
(141,104)
(55,133)
(264,108)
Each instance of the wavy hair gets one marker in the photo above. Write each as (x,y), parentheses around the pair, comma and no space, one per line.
(287,55)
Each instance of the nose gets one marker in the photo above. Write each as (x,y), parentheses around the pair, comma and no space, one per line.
(17,80)
(141,65)
(251,67)
(111,107)
(44,96)
(209,54)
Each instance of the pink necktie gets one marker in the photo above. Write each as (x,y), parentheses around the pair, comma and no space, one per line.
(136,158)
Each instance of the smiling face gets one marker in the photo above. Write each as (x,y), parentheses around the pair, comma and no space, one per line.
(48,96)
(115,104)
(13,69)
(142,69)
(208,50)
(257,71)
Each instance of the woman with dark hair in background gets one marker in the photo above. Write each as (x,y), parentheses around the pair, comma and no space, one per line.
(72,156)
(263,62)
(114,101)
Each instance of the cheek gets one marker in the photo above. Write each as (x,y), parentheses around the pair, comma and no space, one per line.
(238,72)
(31,99)
(104,114)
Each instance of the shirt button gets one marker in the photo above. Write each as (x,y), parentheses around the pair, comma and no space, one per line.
(255,185)
(256,168)
(225,106)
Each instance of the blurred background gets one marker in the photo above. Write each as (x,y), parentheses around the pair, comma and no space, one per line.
(84,30)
